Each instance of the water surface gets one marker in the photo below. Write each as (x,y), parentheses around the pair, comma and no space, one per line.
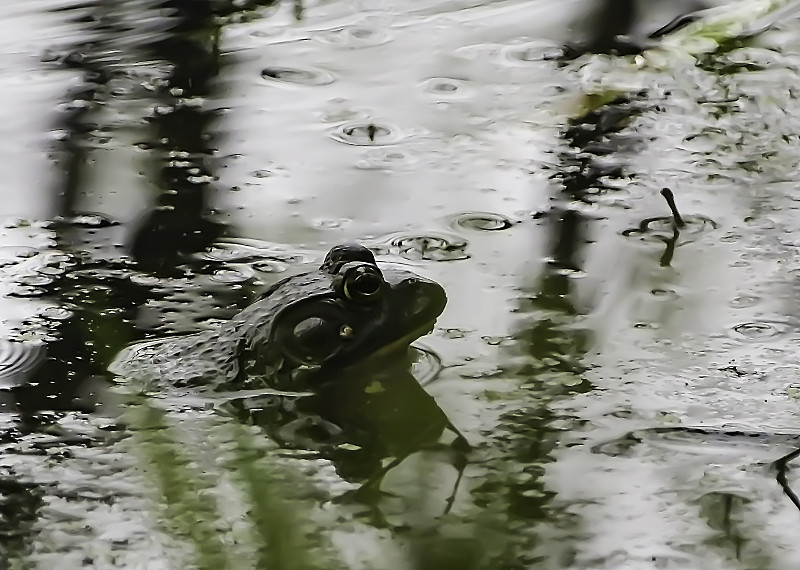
(625,383)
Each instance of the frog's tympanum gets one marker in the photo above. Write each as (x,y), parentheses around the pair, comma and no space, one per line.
(342,313)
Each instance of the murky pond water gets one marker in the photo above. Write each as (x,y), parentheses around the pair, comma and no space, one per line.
(611,385)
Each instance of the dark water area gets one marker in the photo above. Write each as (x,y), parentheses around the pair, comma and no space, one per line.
(612,383)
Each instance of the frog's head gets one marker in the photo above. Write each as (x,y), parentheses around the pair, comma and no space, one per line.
(356,310)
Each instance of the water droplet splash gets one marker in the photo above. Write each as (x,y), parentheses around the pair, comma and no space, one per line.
(367,134)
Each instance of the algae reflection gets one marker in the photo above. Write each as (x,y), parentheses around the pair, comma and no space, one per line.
(276,505)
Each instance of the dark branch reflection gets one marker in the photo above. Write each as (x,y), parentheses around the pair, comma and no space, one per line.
(367,423)
(552,344)
(180,222)
(94,282)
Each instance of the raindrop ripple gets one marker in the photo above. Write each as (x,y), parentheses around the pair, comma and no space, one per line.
(431,246)
(481,221)
(758,331)
(17,359)
(298,76)
(367,134)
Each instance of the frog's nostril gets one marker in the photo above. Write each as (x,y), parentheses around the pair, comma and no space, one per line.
(427,300)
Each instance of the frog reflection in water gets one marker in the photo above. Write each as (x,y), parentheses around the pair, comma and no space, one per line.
(343,330)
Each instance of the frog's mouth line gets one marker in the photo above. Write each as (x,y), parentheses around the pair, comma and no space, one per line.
(403,342)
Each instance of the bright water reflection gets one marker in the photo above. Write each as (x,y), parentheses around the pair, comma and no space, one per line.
(624,382)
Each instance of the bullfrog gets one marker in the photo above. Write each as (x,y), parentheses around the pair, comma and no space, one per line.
(346,327)
(326,319)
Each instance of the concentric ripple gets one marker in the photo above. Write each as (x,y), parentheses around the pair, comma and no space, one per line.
(481,221)
(446,88)
(386,159)
(432,246)
(667,294)
(664,226)
(250,251)
(715,441)
(231,251)
(87,220)
(239,274)
(36,279)
(530,52)
(17,360)
(353,37)
(298,76)
(270,266)
(744,301)
(55,313)
(367,134)
(24,291)
(427,365)
(759,331)
(12,254)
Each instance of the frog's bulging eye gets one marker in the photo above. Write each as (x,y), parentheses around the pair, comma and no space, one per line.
(363,283)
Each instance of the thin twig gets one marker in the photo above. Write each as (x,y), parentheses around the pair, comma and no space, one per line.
(781,465)
(667,193)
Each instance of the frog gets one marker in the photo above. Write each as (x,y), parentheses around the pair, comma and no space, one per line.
(347,310)
(335,342)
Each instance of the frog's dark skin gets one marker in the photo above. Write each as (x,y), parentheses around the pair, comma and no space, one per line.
(328,323)
(325,319)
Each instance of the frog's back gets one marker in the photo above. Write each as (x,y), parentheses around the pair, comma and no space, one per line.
(212,357)
(178,361)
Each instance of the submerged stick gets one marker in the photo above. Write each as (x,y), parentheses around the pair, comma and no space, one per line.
(669,250)
(667,193)
(782,466)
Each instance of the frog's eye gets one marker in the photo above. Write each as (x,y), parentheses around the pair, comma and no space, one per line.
(362,284)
